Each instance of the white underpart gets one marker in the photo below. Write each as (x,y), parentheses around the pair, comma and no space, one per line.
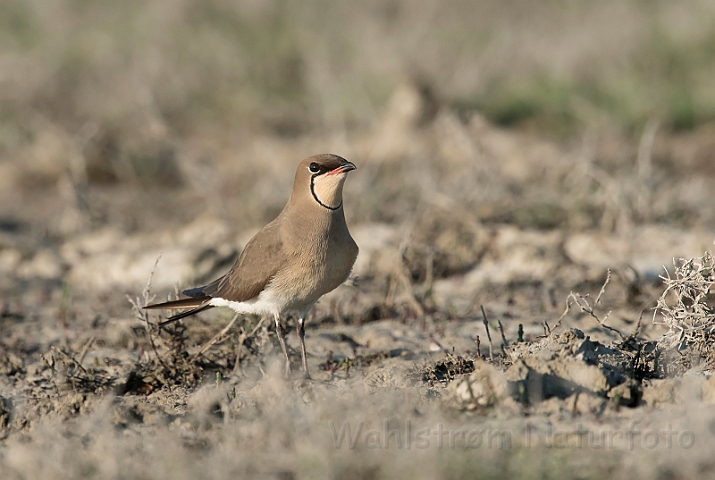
(264,304)
(256,306)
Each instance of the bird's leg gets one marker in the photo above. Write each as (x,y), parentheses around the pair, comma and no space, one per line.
(282,340)
(301,336)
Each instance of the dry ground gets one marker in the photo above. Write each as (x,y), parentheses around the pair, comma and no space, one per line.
(126,157)
(92,389)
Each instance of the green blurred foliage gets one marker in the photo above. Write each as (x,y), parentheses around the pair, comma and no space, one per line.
(290,67)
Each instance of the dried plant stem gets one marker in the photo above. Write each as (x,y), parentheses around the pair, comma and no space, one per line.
(85,348)
(215,338)
(70,358)
(241,340)
(685,305)
(505,342)
(144,317)
(436,342)
(550,330)
(586,307)
(142,314)
(489,336)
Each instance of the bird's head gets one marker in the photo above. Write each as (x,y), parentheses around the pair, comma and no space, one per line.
(322,177)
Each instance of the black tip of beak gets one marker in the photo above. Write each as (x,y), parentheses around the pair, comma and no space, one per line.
(347,166)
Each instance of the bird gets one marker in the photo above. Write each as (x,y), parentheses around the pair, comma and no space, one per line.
(304,253)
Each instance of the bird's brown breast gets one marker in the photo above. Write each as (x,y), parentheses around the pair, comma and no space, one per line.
(322,255)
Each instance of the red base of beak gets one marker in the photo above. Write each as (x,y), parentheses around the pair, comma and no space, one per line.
(343,168)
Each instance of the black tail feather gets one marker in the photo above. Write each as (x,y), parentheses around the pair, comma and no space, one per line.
(187,313)
(194,306)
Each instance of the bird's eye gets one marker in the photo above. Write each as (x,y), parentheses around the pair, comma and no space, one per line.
(314,168)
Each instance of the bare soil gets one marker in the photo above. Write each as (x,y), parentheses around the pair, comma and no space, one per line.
(501,323)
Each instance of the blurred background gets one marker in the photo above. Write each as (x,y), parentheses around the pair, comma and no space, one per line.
(146,116)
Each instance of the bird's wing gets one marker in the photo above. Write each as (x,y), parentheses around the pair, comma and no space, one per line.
(197,292)
(258,263)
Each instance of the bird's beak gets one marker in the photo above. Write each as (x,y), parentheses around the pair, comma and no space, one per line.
(344,168)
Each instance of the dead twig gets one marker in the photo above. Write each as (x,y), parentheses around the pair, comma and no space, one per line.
(489,336)
(603,287)
(563,315)
(586,307)
(241,340)
(434,340)
(215,338)
(70,358)
(85,348)
(547,329)
(505,342)
(686,306)
(142,314)
(637,331)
